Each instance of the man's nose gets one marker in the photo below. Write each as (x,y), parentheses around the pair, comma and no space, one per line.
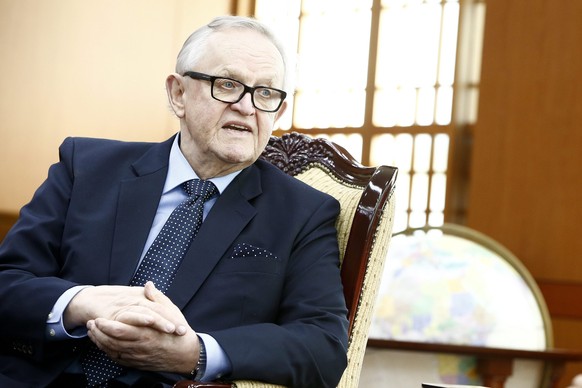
(245,104)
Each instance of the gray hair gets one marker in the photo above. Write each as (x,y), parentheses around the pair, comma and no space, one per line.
(193,48)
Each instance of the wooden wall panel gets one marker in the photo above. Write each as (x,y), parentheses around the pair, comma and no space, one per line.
(568,335)
(525,184)
(525,181)
(85,68)
(6,222)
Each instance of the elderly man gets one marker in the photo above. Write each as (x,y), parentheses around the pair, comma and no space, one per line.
(151,262)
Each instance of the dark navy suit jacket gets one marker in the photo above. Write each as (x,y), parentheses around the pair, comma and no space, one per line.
(261,276)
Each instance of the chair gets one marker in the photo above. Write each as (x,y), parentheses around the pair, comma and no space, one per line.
(473,302)
(364,226)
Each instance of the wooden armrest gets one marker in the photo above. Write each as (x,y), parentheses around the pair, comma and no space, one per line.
(199,384)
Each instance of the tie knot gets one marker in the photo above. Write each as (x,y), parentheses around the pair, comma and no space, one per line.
(198,188)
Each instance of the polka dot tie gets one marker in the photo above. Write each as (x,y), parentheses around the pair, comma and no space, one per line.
(158,265)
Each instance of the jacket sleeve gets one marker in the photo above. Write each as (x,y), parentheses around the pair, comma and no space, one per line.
(29,258)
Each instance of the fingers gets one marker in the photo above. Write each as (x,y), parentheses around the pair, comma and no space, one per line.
(124,343)
(145,317)
(100,301)
(171,312)
(136,306)
(155,295)
(143,347)
(101,329)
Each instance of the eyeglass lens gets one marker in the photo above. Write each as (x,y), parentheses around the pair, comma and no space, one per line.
(228,90)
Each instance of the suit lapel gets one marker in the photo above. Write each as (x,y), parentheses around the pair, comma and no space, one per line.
(225,222)
(137,204)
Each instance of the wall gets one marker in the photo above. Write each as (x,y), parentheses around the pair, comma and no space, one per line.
(85,68)
(525,182)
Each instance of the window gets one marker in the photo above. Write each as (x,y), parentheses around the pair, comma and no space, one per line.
(380,78)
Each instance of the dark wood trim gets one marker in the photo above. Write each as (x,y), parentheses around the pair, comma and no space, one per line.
(494,365)
(242,8)
(6,222)
(480,351)
(562,298)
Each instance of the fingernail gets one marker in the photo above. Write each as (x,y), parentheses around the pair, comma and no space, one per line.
(181,330)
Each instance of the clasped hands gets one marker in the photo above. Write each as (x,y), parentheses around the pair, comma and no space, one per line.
(138,327)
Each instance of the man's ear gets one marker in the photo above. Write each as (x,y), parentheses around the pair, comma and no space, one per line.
(281,110)
(175,90)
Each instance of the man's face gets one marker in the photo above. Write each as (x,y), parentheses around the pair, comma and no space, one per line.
(218,138)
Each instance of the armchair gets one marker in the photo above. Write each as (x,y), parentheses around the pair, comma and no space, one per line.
(364,229)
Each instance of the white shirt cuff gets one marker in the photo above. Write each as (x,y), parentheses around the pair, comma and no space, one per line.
(55,325)
(217,362)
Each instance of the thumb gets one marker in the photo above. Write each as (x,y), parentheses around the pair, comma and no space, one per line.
(157,296)
(153,294)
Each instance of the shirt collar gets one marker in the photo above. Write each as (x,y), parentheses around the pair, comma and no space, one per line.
(180,171)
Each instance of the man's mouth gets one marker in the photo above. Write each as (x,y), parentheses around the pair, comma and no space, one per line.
(237,127)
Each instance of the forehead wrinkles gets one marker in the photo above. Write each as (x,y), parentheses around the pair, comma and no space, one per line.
(245,55)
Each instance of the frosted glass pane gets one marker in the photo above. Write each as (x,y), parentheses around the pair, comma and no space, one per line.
(386,108)
(415,73)
(417,45)
(332,95)
(271,9)
(326,6)
(286,120)
(406,107)
(383,150)
(400,221)
(334,57)
(329,108)
(419,192)
(437,192)
(408,45)
(282,16)
(444,105)
(305,116)
(422,153)
(390,67)
(425,42)
(417,219)
(351,142)
(440,153)
(436,219)
(404,152)
(425,108)
(448,44)
(402,192)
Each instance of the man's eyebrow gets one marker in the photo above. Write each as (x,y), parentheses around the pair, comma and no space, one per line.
(269,82)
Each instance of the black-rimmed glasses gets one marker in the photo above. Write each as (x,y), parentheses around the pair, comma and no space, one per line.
(232,91)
